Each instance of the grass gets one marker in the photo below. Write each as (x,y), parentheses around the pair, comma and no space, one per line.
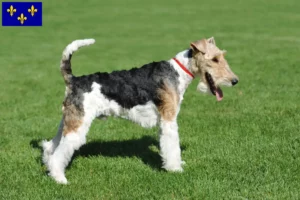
(246,147)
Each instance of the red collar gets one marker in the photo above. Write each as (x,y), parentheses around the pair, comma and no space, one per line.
(183,68)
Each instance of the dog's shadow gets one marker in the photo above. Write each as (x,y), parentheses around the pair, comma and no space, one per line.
(139,148)
(143,148)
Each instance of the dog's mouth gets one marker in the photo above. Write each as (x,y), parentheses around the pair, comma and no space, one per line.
(214,90)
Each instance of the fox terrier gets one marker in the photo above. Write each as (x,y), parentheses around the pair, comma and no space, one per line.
(150,95)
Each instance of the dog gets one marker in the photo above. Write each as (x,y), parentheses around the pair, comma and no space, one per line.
(150,95)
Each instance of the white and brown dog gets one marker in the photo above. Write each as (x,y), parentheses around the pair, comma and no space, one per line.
(150,95)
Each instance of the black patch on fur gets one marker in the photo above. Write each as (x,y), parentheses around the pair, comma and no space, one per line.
(190,53)
(129,88)
(75,97)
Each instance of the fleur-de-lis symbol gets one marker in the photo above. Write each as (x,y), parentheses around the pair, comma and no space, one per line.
(22,18)
(11,10)
(32,10)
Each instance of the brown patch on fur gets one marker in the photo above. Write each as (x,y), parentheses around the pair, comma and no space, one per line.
(169,102)
(72,118)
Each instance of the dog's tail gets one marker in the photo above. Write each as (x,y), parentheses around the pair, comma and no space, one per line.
(65,65)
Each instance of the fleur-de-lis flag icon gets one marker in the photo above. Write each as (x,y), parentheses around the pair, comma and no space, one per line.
(22,14)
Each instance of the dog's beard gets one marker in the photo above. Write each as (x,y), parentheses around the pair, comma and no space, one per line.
(210,88)
(202,87)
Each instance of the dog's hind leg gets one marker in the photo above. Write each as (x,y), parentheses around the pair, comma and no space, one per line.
(75,128)
(50,146)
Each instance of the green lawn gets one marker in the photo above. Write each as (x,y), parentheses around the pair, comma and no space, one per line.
(245,147)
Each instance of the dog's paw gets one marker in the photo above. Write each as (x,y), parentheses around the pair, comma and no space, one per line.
(177,169)
(173,168)
(60,179)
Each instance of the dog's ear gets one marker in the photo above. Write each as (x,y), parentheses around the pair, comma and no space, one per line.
(199,46)
(211,40)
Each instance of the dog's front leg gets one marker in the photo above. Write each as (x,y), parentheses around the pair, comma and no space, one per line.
(169,145)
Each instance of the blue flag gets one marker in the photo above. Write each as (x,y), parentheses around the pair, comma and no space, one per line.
(22,14)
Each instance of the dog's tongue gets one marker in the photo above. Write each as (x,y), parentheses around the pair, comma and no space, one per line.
(219,94)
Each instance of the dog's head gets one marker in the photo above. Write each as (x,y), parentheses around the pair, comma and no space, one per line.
(209,63)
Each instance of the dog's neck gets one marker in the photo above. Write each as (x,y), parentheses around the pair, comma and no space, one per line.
(184,78)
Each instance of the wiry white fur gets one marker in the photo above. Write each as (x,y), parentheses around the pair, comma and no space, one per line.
(63,154)
(75,45)
(169,146)
(145,115)
(202,87)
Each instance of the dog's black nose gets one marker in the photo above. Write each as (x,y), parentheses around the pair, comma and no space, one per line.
(234,81)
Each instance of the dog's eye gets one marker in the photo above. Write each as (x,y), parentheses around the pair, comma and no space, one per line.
(215,59)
